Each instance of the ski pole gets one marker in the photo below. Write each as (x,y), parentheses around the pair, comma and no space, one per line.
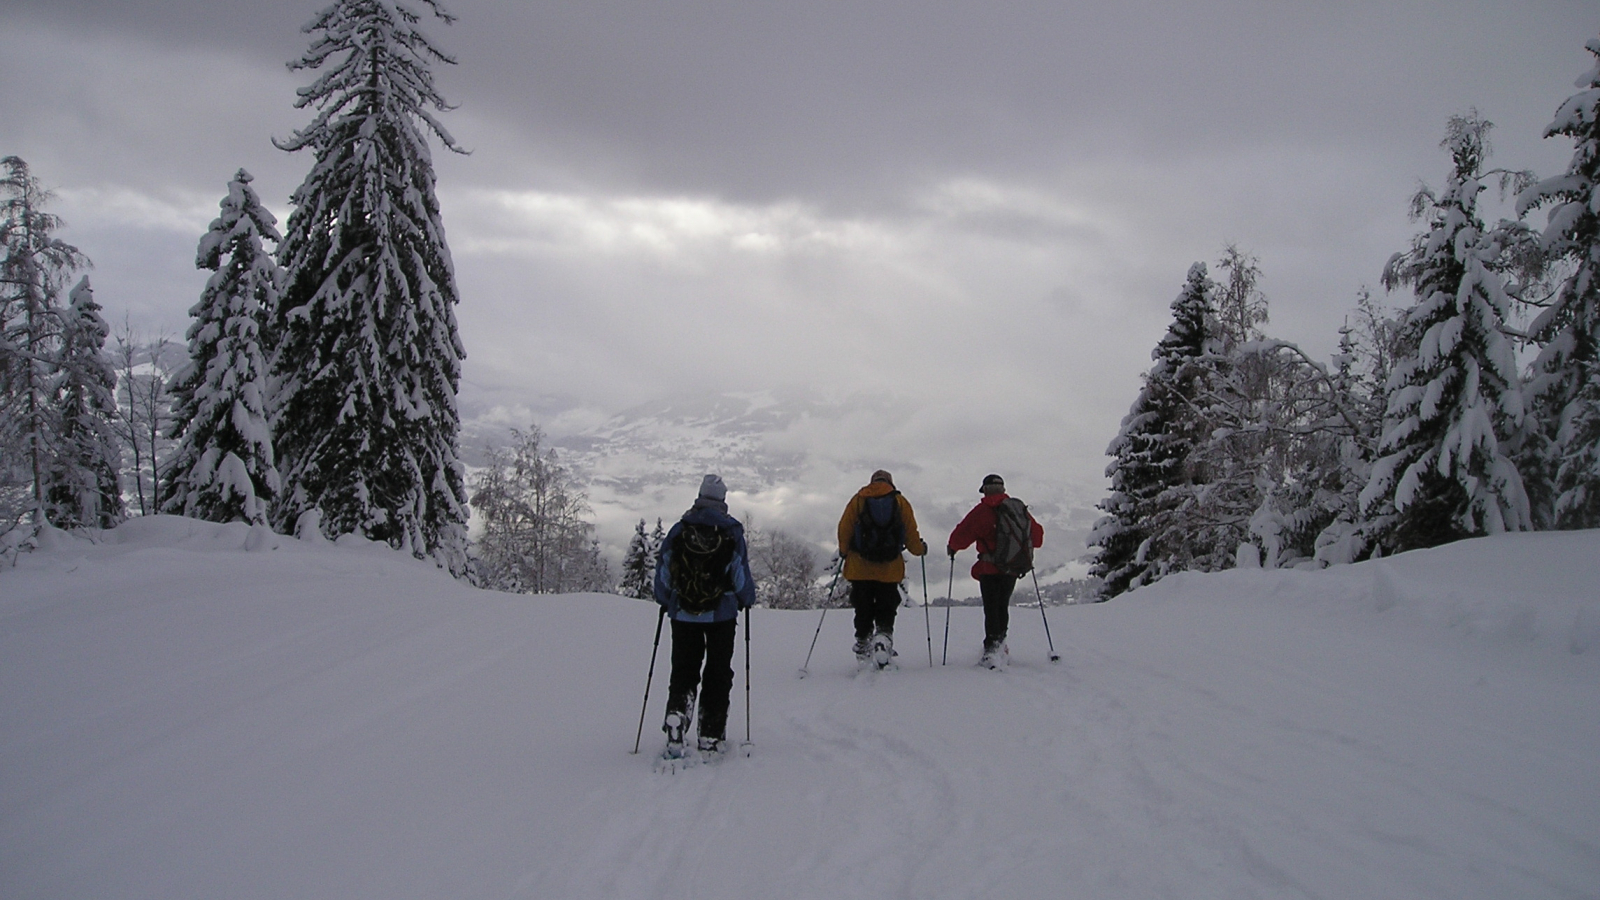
(747,742)
(825,604)
(660,617)
(1054,656)
(949,600)
(926,623)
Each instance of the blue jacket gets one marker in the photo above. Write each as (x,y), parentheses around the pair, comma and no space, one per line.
(743,594)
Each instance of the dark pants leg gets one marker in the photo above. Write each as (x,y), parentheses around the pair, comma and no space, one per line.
(876,603)
(711,643)
(996,591)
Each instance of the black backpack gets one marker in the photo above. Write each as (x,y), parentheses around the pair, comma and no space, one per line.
(880,535)
(700,567)
(1013,538)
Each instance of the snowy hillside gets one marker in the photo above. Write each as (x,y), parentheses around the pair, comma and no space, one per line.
(199,711)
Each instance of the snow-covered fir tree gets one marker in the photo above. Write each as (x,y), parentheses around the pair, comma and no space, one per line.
(1148,469)
(638,566)
(1455,394)
(84,487)
(1565,387)
(658,536)
(369,359)
(34,269)
(223,470)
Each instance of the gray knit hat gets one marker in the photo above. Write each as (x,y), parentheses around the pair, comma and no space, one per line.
(712,488)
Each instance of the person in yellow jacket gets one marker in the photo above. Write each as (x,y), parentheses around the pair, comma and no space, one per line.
(876,526)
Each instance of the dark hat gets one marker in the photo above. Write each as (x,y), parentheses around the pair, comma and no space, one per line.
(712,488)
(993,484)
(883,476)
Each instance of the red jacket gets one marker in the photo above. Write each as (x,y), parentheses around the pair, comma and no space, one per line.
(978,527)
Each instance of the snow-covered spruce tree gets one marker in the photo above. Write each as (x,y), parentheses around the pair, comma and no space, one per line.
(1455,395)
(368,359)
(1149,455)
(223,470)
(658,536)
(1565,387)
(84,488)
(35,267)
(638,566)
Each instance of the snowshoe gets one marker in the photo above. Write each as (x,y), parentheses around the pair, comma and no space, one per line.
(863,651)
(882,649)
(997,656)
(675,758)
(675,725)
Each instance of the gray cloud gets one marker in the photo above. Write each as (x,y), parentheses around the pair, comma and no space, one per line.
(919,199)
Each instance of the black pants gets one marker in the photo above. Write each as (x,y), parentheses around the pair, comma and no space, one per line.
(692,643)
(996,591)
(876,603)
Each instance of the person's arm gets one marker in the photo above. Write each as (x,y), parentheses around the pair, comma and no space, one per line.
(1035,531)
(966,532)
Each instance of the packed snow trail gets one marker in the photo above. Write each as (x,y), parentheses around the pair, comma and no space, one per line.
(181,717)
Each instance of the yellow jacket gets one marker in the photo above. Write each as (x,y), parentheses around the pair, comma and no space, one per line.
(858,569)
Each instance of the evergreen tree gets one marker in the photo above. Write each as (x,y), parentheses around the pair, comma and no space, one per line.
(223,470)
(1565,388)
(658,536)
(638,566)
(1455,394)
(35,267)
(369,360)
(84,490)
(1148,470)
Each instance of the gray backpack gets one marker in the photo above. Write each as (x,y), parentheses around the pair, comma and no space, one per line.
(1013,539)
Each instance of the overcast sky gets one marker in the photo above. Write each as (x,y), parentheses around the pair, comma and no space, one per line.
(979,211)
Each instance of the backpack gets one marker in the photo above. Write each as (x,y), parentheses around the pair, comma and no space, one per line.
(700,566)
(880,535)
(1013,538)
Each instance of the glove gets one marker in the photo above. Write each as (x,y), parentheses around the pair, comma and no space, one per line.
(952,553)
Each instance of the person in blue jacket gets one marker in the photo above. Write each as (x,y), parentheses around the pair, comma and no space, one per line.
(703,580)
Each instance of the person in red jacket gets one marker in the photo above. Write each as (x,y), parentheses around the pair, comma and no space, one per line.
(995,586)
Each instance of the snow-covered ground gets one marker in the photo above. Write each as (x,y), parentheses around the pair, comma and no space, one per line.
(198,711)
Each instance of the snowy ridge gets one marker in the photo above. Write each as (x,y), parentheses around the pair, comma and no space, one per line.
(190,710)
